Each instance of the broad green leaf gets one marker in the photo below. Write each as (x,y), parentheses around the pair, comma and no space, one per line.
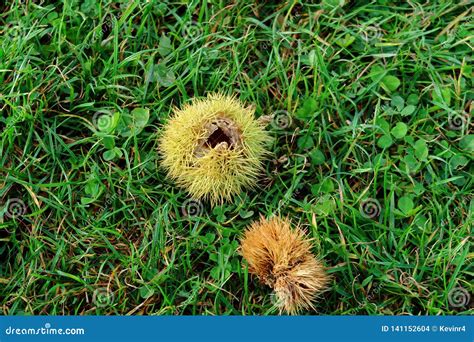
(164,47)
(118,152)
(345,41)
(467,143)
(411,162)
(92,187)
(391,82)
(87,200)
(317,157)
(458,160)
(140,117)
(108,142)
(146,292)
(384,125)
(163,75)
(307,109)
(305,142)
(400,130)
(326,186)
(418,188)
(421,150)
(310,59)
(385,141)
(109,155)
(397,102)
(413,99)
(442,95)
(408,110)
(405,204)
(246,214)
(324,206)
(209,237)
(134,122)
(376,73)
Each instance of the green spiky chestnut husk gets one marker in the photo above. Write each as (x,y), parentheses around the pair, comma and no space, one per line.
(214,147)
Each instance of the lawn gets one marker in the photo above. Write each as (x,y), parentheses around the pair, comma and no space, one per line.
(369,106)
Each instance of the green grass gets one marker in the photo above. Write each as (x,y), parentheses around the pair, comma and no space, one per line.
(373,103)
